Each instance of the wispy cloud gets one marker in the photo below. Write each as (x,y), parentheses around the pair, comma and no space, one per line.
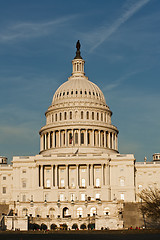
(104,32)
(120,80)
(26,30)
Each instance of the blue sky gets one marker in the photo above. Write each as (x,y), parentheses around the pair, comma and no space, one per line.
(120,44)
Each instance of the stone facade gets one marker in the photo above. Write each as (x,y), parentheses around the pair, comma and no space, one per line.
(79,176)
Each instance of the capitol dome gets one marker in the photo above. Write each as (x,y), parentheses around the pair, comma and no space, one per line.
(78,119)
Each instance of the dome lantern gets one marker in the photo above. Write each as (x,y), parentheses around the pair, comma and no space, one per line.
(78,63)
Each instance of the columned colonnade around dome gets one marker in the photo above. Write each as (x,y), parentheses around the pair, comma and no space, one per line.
(78,137)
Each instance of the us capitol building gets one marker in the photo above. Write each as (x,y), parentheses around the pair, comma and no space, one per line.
(79,176)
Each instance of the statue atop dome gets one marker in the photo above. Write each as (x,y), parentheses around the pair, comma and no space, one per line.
(78,53)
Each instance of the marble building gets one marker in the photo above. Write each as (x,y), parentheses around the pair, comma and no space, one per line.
(79,176)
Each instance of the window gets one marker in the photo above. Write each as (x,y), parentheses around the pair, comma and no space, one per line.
(92,115)
(122,196)
(60,116)
(82,196)
(82,138)
(79,212)
(83,182)
(71,92)
(24,198)
(81,114)
(80,92)
(65,115)
(87,115)
(4,177)
(61,197)
(76,92)
(56,117)
(48,183)
(70,115)
(24,212)
(121,182)
(97,195)
(76,138)
(93,211)
(106,211)
(62,182)
(24,184)
(4,190)
(23,171)
(97,182)
(97,116)
(101,116)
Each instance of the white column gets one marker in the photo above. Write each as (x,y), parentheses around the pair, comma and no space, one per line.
(41,176)
(112,140)
(93,138)
(99,135)
(66,177)
(105,139)
(86,142)
(51,176)
(88,176)
(79,134)
(66,138)
(77,175)
(45,135)
(59,138)
(91,176)
(72,137)
(55,175)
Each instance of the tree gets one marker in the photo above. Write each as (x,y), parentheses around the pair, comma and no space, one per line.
(150,207)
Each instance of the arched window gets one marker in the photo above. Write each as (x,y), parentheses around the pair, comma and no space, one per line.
(65,115)
(101,116)
(70,115)
(93,211)
(76,138)
(60,116)
(56,117)
(111,140)
(97,182)
(24,212)
(92,115)
(79,212)
(106,211)
(81,114)
(51,212)
(97,116)
(82,138)
(87,115)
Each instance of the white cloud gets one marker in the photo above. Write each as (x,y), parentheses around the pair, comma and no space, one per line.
(98,37)
(27,30)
